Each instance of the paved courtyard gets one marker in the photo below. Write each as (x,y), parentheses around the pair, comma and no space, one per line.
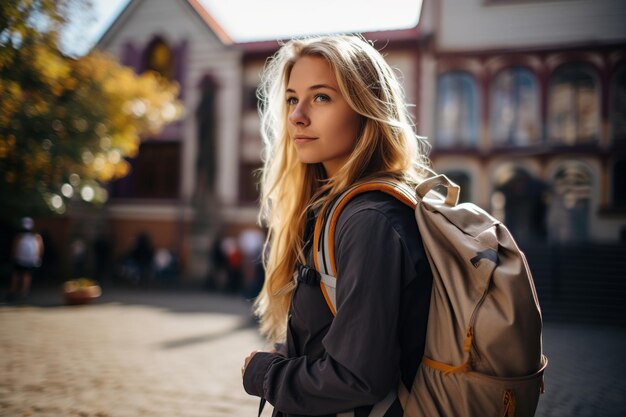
(178,354)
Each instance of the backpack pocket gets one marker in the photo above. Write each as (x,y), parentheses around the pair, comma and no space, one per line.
(436,393)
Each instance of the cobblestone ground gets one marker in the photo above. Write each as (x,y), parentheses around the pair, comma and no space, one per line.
(586,371)
(152,355)
(178,354)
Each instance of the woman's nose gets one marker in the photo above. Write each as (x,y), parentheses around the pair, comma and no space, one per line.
(299,117)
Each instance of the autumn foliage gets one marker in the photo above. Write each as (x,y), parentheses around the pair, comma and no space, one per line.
(67,125)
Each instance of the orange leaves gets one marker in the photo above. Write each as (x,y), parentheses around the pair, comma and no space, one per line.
(79,118)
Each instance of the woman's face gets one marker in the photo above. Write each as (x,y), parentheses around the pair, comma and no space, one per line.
(322,125)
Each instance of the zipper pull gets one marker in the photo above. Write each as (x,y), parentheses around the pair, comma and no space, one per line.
(468,339)
(508,404)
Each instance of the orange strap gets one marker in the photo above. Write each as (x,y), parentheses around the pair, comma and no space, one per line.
(385,187)
(388,187)
(449,369)
(444,367)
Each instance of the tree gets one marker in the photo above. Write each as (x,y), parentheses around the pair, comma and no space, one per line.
(66,124)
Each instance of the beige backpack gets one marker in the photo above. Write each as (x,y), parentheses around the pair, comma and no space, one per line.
(483,354)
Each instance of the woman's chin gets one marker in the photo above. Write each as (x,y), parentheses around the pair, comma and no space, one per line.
(307,159)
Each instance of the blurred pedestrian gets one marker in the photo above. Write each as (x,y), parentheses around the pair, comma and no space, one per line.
(27,254)
(234,260)
(251,244)
(102,248)
(78,249)
(142,254)
(216,278)
(49,269)
(165,266)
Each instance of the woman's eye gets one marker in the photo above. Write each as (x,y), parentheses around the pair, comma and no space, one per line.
(322,97)
(292,101)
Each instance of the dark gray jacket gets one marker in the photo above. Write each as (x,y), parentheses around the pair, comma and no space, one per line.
(355,359)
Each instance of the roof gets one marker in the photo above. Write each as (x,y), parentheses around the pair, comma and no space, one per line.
(397,36)
(200,10)
(211,22)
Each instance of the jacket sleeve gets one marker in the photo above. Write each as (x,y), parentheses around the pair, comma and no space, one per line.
(361,362)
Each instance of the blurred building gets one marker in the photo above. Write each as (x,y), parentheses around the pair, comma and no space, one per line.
(526,105)
(524,102)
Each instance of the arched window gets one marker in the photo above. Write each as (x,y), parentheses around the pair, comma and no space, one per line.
(457,110)
(515,108)
(619,183)
(568,218)
(618,106)
(574,106)
(159,58)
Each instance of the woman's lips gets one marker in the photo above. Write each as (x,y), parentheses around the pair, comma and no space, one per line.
(301,139)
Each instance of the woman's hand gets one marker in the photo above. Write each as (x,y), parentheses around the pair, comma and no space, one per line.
(249,358)
(247,361)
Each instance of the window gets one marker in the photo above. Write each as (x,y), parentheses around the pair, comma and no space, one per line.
(159,59)
(574,106)
(619,184)
(515,108)
(618,106)
(155,173)
(457,110)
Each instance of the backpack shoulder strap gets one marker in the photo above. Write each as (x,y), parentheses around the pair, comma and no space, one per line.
(325,226)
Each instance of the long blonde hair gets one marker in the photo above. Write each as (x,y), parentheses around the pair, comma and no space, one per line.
(386,146)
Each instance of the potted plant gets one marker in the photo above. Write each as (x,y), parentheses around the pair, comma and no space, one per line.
(80,291)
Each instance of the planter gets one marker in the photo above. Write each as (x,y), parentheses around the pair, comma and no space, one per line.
(76,292)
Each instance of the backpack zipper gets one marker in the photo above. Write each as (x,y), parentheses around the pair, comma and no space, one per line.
(469,337)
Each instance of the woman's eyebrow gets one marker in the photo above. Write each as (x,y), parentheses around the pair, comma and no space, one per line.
(313,87)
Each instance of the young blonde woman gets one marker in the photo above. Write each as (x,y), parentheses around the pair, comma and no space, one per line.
(334,115)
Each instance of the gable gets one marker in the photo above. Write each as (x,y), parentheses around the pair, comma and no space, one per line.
(171,20)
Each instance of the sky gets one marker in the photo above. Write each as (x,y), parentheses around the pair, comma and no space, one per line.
(250,20)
